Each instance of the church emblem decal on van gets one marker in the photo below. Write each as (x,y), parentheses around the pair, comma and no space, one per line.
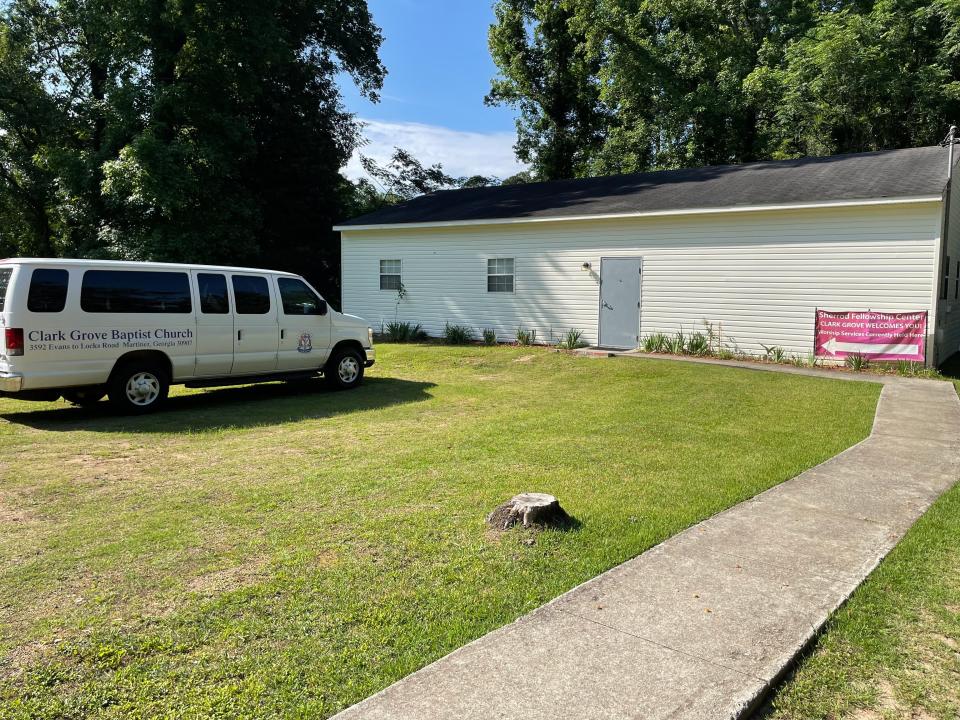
(306,343)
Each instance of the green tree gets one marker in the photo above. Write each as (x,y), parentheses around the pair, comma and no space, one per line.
(59,64)
(403,177)
(864,78)
(201,130)
(672,75)
(679,83)
(547,73)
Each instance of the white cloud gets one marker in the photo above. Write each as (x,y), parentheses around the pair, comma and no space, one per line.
(461,153)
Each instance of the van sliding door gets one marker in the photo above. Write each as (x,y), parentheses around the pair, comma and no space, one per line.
(214,325)
(256,336)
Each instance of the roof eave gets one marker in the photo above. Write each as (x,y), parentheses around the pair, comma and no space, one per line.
(649,213)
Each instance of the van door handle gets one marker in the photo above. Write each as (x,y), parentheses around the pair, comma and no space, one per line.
(283,333)
(239,335)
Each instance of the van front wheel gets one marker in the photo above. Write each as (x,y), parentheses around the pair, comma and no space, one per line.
(344,370)
(136,389)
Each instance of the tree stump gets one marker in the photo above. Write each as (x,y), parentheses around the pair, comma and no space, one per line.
(529,509)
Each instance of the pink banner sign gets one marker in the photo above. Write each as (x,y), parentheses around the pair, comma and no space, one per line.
(874,335)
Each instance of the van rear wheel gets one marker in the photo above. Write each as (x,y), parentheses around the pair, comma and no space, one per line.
(138,388)
(344,370)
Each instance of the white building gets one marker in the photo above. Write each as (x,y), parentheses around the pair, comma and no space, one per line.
(754,249)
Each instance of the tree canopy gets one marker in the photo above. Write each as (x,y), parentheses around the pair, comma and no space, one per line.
(676,83)
(197,130)
(549,75)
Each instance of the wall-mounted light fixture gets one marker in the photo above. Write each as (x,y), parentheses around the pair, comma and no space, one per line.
(586,267)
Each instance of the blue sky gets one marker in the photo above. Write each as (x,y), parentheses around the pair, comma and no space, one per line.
(439,70)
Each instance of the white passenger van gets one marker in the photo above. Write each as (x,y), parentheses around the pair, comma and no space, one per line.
(88,328)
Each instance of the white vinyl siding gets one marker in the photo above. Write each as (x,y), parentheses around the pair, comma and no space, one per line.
(759,275)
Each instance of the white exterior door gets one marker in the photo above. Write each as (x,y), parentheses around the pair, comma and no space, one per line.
(256,333)
(215,332)
(304,326)
(620,302)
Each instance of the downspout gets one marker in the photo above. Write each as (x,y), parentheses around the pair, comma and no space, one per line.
(934,324)
(934,341)
(951,141)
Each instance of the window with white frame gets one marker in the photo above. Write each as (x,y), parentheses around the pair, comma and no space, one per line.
(390,275)
(500,275)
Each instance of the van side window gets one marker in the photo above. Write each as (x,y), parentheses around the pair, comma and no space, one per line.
(213,294)
(5,274)
(135,291)
(298,299)
(251,294)
(48,291)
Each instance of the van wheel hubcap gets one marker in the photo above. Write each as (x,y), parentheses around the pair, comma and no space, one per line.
(348,369)
(143,388)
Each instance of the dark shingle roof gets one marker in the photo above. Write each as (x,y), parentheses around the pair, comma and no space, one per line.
(913,172)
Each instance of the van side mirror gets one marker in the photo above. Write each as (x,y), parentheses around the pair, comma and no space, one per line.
(322,307)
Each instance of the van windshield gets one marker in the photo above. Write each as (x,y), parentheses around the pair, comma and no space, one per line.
(5,274)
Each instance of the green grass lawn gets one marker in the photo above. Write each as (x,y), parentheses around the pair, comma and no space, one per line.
(893,651)
(276,551)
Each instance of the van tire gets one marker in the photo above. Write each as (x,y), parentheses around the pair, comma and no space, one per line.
(86,397)
(344,369)
(138,388)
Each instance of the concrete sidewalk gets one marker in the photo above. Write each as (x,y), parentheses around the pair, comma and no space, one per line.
(704,624)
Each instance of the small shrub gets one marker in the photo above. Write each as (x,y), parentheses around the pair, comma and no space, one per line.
(572,340)
(404,332)
(457,334)
(774,353)
(812,360)
(797,361)
(714,335)
(726,353)
(857,362)
(489,337)
(396,331)
(677,344)
(698,344)
(906,368)
(526,337)
(656,343)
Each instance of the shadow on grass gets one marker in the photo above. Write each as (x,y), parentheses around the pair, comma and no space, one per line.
(233,407)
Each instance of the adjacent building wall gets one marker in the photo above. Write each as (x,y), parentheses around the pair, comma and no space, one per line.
(758,275)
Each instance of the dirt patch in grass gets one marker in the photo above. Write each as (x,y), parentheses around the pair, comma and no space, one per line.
(23,657)
(948,641)
(246,574)
(888,707)
(124,464)
(9,513)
